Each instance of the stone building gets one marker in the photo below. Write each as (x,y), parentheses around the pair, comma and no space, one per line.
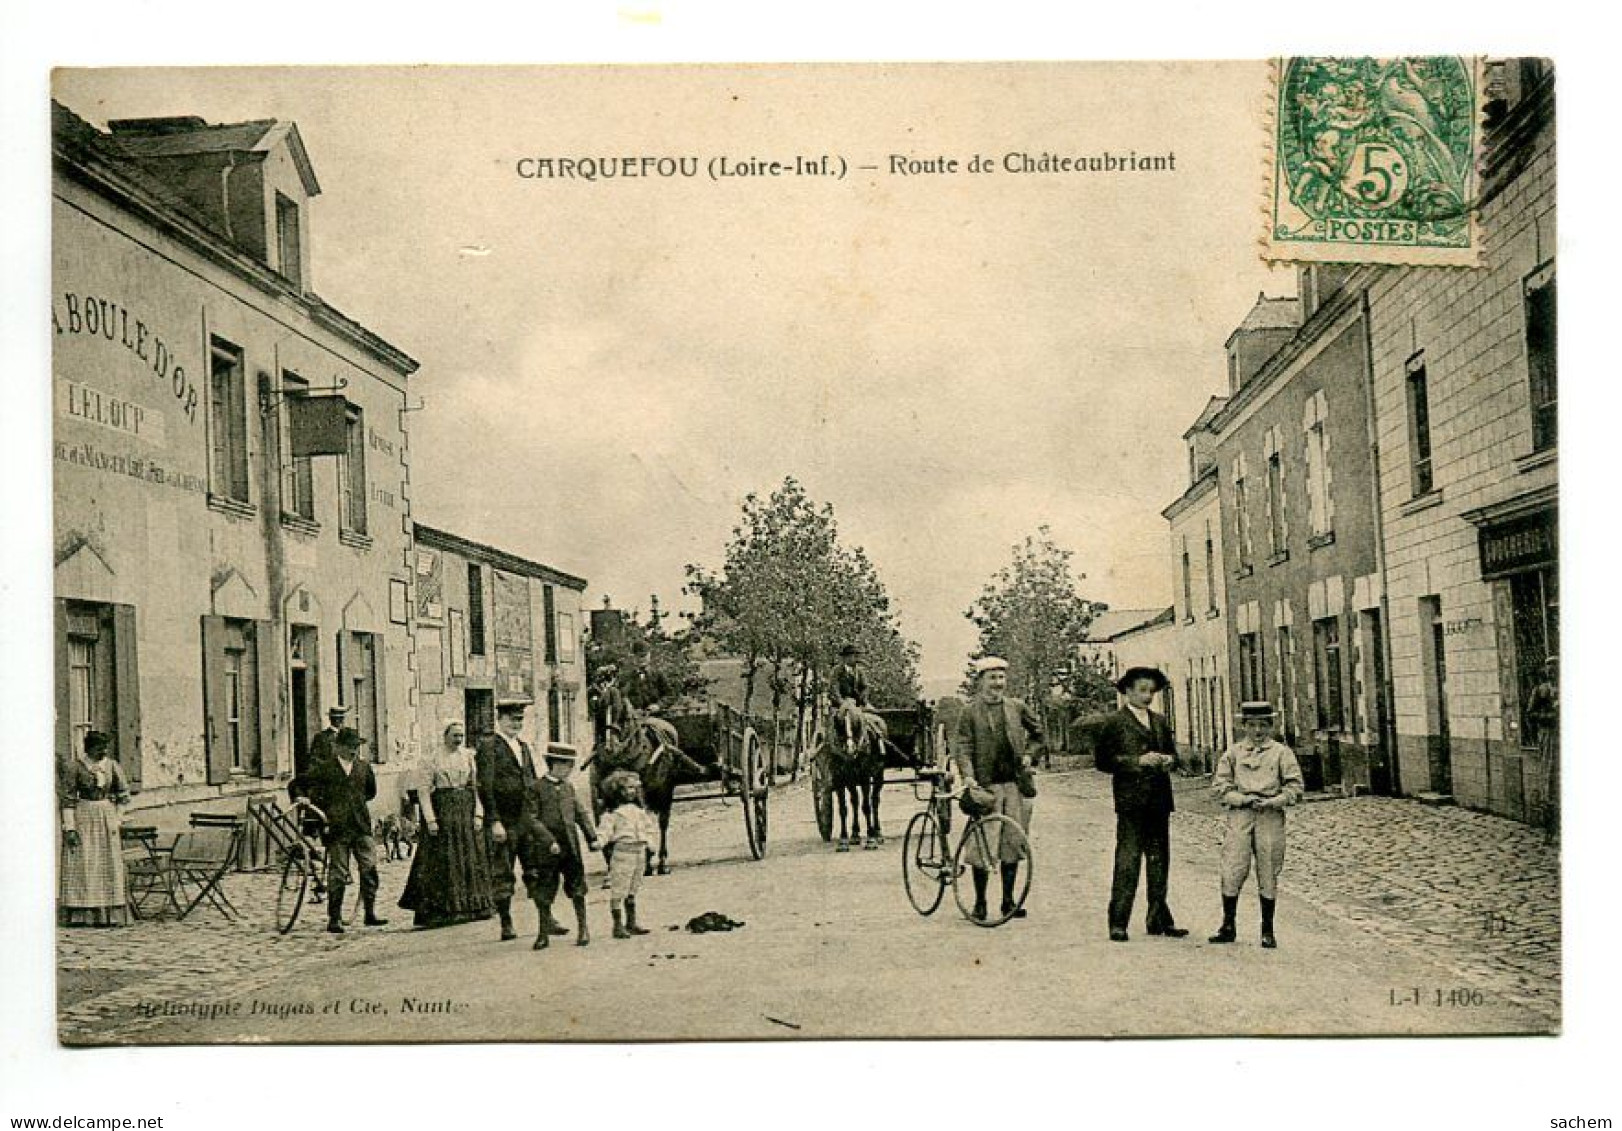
(1292,450)
(492,627)
(1198,654)
(232,495)
(1464,391)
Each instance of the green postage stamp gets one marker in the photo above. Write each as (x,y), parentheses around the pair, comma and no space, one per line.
(1375,160)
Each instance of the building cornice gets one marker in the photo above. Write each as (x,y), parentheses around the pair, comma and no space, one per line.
(454,543)
(1197,490)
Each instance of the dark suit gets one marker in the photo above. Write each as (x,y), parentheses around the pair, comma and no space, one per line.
(558,812)
(342,796)
(975,748)
(850,683)
(1143,807)
(506,787)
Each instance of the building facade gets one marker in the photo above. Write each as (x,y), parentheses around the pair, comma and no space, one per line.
(215,591)
(1295,475)
(1198,656)
(1464,390)
(494,628)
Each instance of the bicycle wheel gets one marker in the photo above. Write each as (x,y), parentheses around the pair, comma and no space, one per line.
(924,863)
(995,840)
(290,896)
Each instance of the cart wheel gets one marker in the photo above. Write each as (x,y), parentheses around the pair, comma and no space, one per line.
(290,896)
(753,789)
(979,838)
(925,863)
(822,794)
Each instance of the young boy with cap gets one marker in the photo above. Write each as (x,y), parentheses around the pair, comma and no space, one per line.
(1256,779)
(559,813)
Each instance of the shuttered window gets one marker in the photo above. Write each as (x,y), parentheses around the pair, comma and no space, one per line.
(549,615)
(239,695)
(475,609)
(98,683)
(227,422)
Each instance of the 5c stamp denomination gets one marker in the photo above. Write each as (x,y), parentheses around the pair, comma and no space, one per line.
(1375,160)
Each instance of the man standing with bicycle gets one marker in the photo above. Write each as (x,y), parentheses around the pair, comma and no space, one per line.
(989,752)
(340,786)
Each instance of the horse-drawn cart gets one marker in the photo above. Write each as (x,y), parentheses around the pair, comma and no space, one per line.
(912,744)
(726,748)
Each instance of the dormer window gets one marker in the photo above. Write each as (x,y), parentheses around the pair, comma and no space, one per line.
(289,258)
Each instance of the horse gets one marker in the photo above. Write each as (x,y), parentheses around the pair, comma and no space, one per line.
(650,749)
(857,772)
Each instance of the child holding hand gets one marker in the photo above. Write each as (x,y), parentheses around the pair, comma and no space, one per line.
(625,832)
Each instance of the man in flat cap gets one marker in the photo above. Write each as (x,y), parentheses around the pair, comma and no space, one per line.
(1256,779)
(505,771)
(1136,746)
(340,786)
(560,813)
(991,749)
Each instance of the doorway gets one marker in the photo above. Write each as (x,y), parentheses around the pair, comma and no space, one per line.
(1383,772)
(479,713)
(1433,635)
(304,691)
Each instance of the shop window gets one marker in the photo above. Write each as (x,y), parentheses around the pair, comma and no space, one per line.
(98,680)
(1419,427)
(1540,360)
(238,691)
(298,475)
(1328,672)
(475,609)
(227,422)
(352,476)
(1535,597)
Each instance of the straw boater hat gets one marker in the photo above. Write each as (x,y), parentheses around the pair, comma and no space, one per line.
(512,706)
(1255,709)
(560,752)
(990,664)
(1137,672)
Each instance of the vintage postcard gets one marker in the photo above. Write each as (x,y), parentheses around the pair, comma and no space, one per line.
(803,552)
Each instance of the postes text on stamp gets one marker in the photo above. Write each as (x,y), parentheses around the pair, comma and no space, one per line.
(1375,160)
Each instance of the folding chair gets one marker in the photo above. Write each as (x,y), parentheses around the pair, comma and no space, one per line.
(147,872)
(201,858)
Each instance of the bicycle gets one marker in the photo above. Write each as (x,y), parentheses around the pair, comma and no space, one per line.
(304,858)
(929,863)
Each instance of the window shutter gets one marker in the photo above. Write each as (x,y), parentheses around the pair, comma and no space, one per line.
(214,700)
(64,725)
(269,666)
(127,688)
(380,697)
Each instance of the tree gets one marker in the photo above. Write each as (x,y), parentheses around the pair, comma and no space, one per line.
(788,595)
(1032,614)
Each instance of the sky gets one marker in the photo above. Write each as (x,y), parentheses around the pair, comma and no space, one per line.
(951,360)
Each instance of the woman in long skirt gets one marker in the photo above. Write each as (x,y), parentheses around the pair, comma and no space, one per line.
(450,872)
(93,890)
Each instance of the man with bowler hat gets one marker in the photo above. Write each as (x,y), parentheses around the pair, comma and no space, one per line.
(340,786)
(1256,779)
(505,771)
(559,812)
(1136,746)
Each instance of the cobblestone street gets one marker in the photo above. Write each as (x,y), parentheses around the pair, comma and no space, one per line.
(1476,893)
(1436,899)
